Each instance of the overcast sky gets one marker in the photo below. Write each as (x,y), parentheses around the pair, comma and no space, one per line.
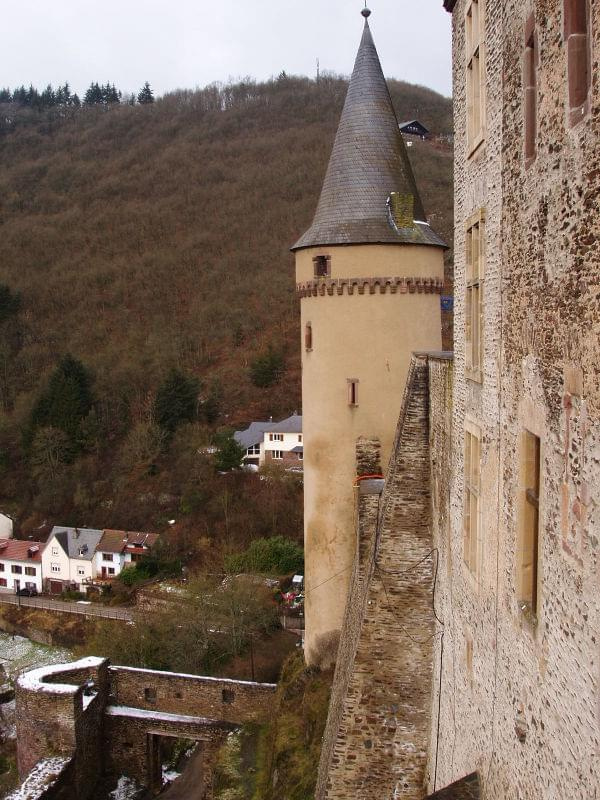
(189,43)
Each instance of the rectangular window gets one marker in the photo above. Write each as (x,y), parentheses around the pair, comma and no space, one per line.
(530,519)
(322,266)
(150,695)
(277,454)
(1,567)
(300,456)
(111,570)
(475,269)
(30,571)
(80,571)
(308,340)
(107,556)
(471,522)
(352,391)
(530,91)
(55,551)
(16,569)
(3,582)
(254,450)
(474,27)
(300,437)
(276,437)
(55,567)
(579,69)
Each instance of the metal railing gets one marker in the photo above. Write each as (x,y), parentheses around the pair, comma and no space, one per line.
(84,608)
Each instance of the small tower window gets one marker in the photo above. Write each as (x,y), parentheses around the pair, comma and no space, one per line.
(352,391)
(322,266)
(308,340)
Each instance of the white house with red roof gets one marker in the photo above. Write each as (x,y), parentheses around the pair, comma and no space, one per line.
(20,565)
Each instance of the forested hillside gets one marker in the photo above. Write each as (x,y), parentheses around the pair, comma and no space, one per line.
(151,243)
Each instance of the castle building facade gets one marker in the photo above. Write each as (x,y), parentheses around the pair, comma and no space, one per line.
(369,272)
(519,694)
(469,664)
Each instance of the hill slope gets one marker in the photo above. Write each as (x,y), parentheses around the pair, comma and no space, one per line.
(146,238)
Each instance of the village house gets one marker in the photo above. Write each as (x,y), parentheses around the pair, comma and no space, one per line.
(118,550)
(273,442)
(68,558)
(20,565)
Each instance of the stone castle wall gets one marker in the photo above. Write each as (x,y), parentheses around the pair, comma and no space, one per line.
(376,739)
(108,721)
(520,694)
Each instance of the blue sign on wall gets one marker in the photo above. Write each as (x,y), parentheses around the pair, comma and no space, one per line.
(447,302)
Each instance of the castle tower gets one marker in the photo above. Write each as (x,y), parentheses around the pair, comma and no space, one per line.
(369,272)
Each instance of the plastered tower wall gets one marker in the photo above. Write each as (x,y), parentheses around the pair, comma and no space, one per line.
(519,694)
(367,337)
(369,272)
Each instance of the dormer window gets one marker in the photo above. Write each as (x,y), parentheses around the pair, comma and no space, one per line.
(322,265)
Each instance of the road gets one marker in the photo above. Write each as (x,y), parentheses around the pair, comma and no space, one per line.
(69,607)
(188,785)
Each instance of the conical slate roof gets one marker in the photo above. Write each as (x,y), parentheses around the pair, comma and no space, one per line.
(368,164)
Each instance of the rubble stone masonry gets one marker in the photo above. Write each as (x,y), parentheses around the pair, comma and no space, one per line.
(519,692)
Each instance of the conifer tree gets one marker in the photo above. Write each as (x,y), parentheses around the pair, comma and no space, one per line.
(176,401)
(146,95)
(65,403)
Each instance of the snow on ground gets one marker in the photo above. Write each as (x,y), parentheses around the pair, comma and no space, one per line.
(8,726)
(44,774)
(127,789)
(18,653)
(169,775)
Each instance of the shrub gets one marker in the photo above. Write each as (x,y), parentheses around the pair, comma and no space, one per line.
(276,555)
(267,368)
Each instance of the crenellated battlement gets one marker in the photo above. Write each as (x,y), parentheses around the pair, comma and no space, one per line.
(339,286)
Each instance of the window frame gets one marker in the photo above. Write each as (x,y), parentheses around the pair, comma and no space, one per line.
(530,91)
(578,48)
(322,266)
(474,296)
(277,455)
(474,27)
(472,541)
(528,588)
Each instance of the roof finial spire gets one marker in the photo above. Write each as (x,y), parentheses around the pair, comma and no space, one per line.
(366,12)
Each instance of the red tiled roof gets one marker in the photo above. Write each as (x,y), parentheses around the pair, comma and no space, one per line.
(117,541)
(17,550)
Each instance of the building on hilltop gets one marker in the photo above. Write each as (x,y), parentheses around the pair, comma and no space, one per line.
(468,663)
(369,272)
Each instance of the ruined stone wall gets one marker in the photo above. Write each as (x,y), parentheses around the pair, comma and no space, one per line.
(57,717)
(215,698)
(376,739)
(132,748)
(519,698)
